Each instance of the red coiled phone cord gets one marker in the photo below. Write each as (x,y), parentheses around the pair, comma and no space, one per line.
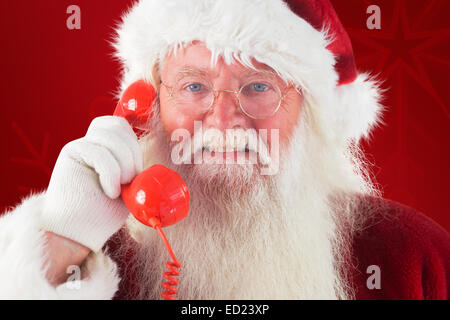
(173,266)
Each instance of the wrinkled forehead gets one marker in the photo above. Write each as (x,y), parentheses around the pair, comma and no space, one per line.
(197,57)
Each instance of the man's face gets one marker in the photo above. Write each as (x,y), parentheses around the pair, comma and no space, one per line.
(225,113)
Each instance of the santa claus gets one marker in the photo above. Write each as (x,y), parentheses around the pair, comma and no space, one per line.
(312,227)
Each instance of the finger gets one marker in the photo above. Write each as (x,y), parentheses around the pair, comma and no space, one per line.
(121,126)
(119,148)
(114,123)
(101,161)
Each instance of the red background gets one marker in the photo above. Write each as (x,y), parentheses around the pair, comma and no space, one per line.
(55,81)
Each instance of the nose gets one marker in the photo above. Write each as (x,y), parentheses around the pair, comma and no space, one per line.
(226,112)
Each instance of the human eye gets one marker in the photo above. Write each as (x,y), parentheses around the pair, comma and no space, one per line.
(259,87)
(194,87)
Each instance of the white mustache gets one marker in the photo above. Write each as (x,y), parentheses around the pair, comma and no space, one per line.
(231,140)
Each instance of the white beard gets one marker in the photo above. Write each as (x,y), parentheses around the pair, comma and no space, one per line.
(249,236)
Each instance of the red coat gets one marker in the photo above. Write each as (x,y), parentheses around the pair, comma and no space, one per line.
(411,252)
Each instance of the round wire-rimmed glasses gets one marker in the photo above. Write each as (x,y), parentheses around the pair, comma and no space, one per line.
(259,98)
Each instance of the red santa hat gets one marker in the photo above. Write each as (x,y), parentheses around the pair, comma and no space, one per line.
(302,40)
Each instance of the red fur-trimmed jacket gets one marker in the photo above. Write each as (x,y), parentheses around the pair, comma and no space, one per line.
(397,254)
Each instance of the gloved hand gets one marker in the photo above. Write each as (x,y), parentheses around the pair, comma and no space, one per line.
(83,201)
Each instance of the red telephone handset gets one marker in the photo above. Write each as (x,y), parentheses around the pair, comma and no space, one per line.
(158,196)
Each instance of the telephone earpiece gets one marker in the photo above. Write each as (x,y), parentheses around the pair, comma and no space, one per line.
(158,196)
(135,105)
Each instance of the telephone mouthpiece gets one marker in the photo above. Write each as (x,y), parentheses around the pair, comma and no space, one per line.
(158,196)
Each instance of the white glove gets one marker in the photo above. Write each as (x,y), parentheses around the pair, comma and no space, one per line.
(83,201)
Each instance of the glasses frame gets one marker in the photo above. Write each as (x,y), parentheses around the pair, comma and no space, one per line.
(237,95)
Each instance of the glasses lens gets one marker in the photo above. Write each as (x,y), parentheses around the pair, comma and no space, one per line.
(260,98)
(193,95)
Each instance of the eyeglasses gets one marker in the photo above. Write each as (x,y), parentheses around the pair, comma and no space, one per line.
(259,98)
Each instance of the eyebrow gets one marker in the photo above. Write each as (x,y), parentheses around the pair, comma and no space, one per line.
(198,71)
(191,70)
